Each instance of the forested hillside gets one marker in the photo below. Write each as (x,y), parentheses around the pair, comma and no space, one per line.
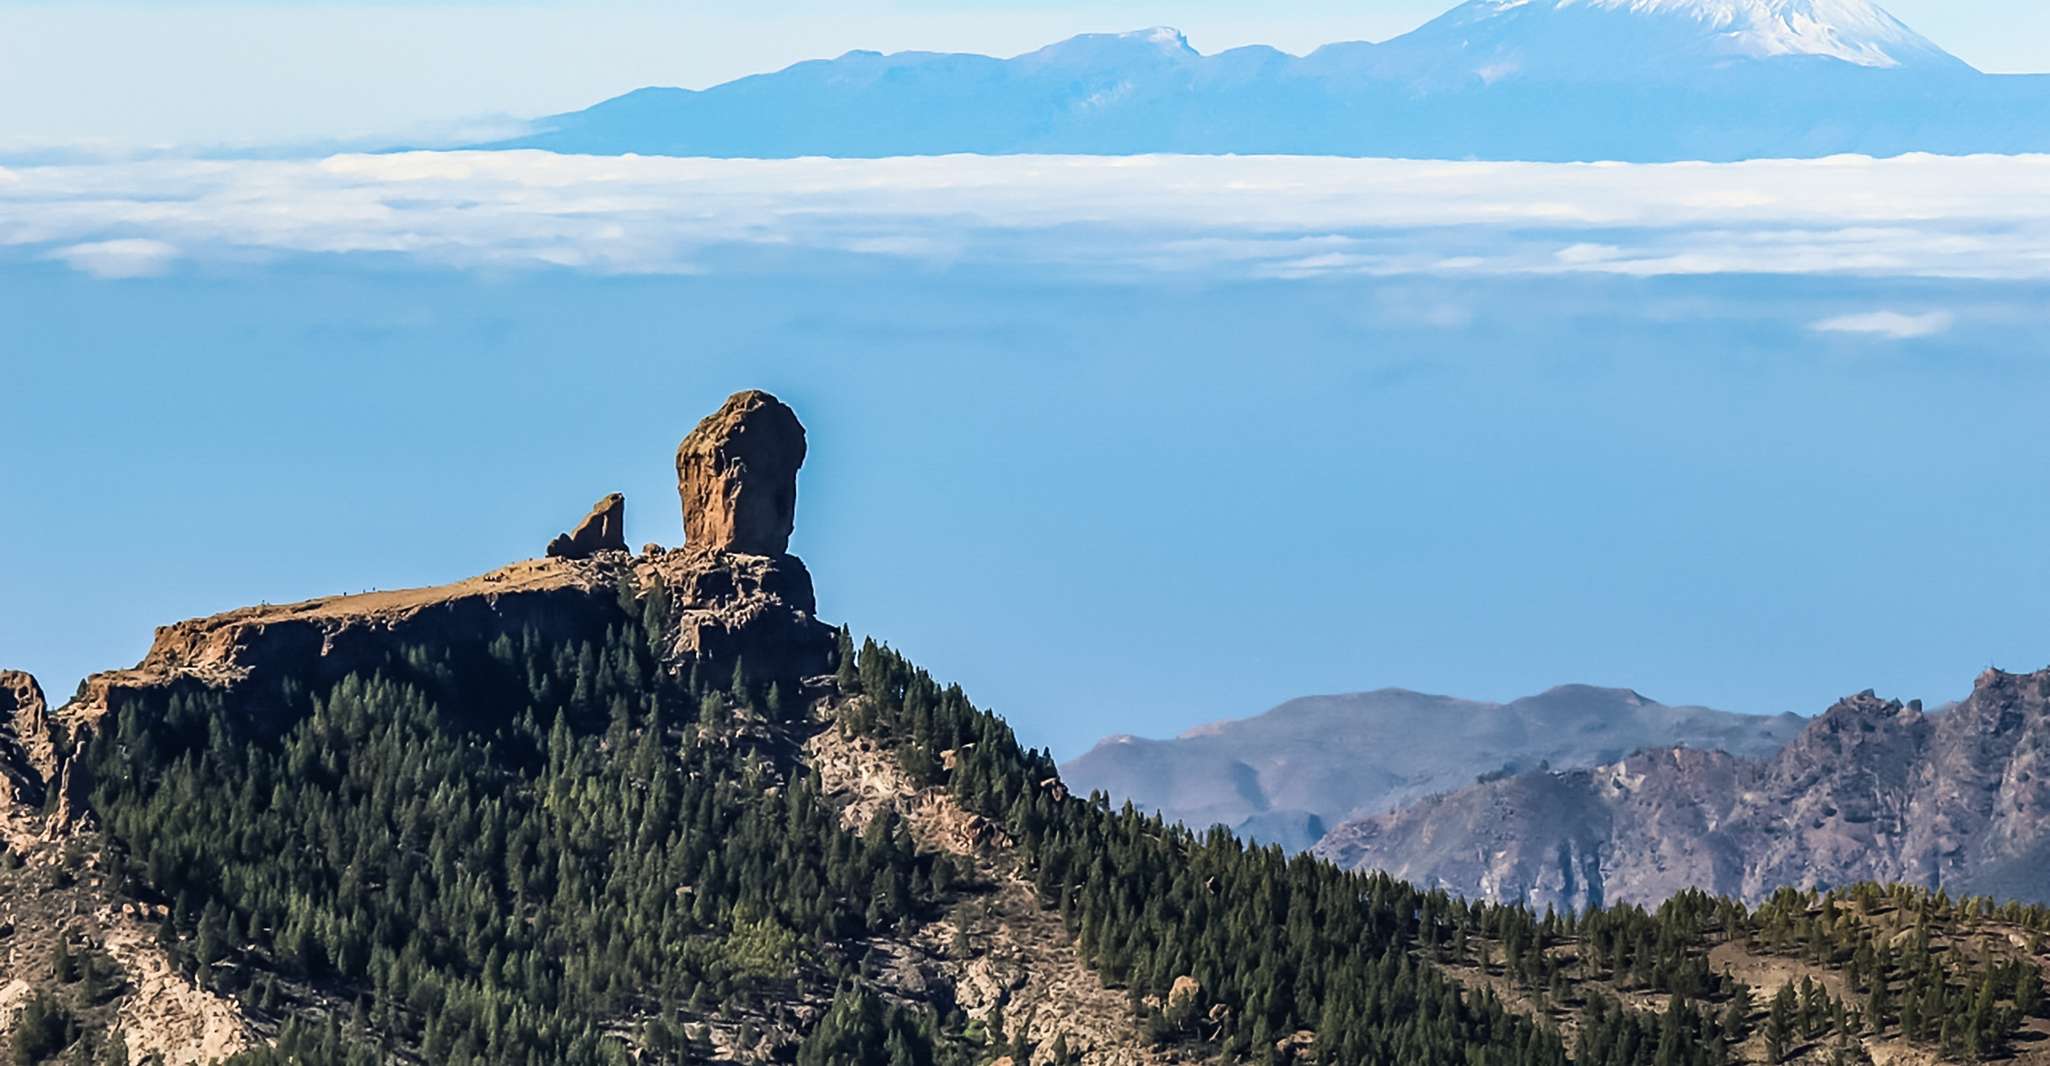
(612,808)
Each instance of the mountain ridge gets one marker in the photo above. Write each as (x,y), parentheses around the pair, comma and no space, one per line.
(1954,798)
(1538,80)
(1287,774)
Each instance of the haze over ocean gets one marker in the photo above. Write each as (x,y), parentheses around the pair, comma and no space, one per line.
(1125,444)
(1108,498)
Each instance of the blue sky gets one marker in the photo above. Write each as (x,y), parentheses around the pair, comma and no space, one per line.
(129,73)
(1121,446)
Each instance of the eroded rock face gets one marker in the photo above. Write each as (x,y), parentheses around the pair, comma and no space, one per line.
(28,752)
(603,530)
(722,608)
(727,608)
(737,474)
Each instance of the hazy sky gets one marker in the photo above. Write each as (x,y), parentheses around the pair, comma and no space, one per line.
(1752,436)
(1123,446)
(230,72)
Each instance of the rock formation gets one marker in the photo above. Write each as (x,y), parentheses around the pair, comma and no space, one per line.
(743,601)
(603,530)
(737,473)
(28,751)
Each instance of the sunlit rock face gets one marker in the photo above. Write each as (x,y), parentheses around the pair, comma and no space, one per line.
(737,474)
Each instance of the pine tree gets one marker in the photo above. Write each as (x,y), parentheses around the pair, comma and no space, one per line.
(846,673)
(1779,1025)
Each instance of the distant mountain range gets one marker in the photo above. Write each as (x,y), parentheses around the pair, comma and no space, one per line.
(1290,774)
(1873,790)
(1627,80)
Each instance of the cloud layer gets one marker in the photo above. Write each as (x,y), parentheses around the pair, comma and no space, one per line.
(1892,325)
(1976,217)
(132,257)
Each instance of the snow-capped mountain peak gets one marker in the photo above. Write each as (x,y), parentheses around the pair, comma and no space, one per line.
(1641,80)
(1852,31)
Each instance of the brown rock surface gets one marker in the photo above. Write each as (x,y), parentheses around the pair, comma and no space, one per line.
(603,530)
(720,608)
(737,474)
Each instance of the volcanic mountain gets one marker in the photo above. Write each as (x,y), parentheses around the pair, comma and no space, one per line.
(1631,80)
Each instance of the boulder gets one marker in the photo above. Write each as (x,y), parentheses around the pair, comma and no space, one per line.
(737,474)
(603,530)
(1295,1045)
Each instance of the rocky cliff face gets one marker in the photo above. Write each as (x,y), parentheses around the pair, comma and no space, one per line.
(737,474)
(1289,774)
(28,756)
(1872,790)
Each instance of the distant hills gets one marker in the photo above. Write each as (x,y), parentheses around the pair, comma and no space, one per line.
(1627,80)
(1289,775)
(1585,797)
(1873,790)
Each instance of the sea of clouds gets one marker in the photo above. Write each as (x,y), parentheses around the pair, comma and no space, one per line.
(1112,217)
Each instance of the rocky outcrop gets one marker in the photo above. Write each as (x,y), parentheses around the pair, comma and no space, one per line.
(744,603)
(737,474)
(603,530)
(734,608)
(28,748)
(722,609)
(1872,790)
